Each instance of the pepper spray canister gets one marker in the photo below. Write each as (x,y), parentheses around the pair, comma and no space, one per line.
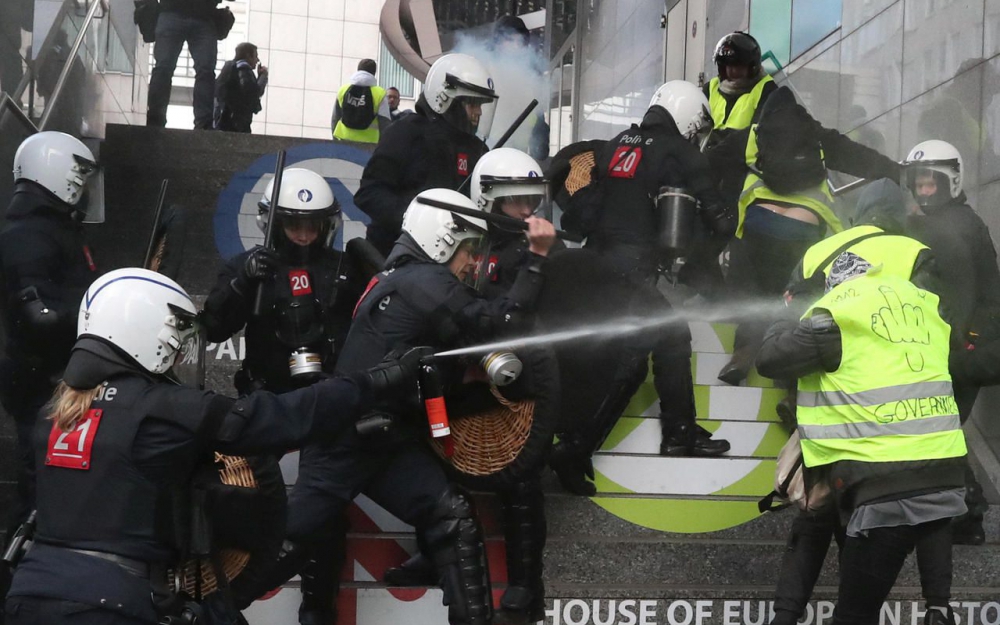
(432,391)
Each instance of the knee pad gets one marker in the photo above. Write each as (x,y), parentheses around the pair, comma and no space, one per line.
(451,513)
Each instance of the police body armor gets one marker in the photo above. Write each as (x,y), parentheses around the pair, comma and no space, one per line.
(498,435)
(227,516)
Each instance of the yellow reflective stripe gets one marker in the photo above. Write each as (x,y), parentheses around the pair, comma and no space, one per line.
(870,429)
(876,396)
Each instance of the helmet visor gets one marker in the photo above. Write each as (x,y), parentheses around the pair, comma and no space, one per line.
(88,176)
(189,367)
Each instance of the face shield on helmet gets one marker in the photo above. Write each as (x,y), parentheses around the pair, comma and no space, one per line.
(66,168)
(443,235)
(688,106)
(307,215)
(933,173)
(459,88)
(509,182)
(146,315)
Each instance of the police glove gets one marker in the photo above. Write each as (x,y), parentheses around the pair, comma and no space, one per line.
(35,313)
(259,265)
(720,219)
(394,380)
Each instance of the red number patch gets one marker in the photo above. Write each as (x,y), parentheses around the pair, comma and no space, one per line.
(463,164)
(71,450)
(298,279)
(625,162)
(371,285)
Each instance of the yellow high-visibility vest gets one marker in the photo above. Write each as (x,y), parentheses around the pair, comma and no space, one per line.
(364,135)
(742,112)
(891,398)
(895,253)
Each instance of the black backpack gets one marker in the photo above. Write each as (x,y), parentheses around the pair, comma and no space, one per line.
(358,107)
(789,151)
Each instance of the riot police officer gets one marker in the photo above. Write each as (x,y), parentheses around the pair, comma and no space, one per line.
(439,146)
(45,266)
(123,435)
(967,260)
(420,299)
(309,293)
(632,168)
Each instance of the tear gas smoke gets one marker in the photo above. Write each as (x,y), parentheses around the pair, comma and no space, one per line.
(625,326)
(518,73)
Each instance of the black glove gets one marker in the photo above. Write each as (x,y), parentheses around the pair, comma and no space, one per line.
(258,266)
(720,219)
(35,313)
(395,378)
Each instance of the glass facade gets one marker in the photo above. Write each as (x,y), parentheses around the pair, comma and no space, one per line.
(787,28)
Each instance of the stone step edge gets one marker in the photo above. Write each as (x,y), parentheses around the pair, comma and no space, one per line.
(640,455)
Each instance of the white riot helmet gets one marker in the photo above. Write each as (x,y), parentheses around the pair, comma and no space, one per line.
(455,79)
(57,162)
(506,172)
(942,160)
(439,232)
(305,195)
(687,105)
(145,314)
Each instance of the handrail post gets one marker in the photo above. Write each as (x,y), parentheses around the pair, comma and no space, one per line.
(64,74)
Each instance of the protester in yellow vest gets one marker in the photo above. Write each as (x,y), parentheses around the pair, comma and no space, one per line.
(875,241)
(878,420)
(361,110)
(785,205)
(735,96)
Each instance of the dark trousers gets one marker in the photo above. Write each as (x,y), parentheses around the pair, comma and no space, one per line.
(39,611)
(869,566)
(762,262)
(805,554)
(172,31)
(400,476)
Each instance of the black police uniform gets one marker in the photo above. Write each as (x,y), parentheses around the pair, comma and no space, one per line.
(45,265)
(632,168)
(103,529)
(417,152)
(415,302)
(524,524)
(308,304)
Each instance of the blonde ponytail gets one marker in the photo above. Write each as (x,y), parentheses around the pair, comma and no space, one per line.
(68,405)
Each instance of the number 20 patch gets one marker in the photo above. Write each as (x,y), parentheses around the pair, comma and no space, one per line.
(71,450)
(625,161)
(298,279)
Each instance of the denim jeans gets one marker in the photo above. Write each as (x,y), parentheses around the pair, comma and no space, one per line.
(172,31)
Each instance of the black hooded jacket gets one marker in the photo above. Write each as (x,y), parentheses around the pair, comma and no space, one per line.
(417,152)
(43,248)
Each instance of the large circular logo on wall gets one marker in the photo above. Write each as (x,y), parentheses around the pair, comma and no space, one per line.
(341,165)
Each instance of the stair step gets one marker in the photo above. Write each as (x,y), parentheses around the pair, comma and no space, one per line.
(641,435)
(714,401)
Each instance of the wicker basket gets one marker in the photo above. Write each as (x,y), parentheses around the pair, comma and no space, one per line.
(581,167)
(487,442)
(197,577)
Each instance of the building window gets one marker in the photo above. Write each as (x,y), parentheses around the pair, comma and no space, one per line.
(788,28)
(392,74)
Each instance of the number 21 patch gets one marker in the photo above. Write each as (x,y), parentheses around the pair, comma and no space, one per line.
(71,450)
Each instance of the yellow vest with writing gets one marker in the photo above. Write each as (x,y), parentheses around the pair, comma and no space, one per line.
(366,135)
(891,398)
(817,200)
(746,105)
(895,253)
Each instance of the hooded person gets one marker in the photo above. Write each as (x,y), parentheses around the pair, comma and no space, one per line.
(453,116)
(361,110)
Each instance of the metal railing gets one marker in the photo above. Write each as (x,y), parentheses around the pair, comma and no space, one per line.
(61,81)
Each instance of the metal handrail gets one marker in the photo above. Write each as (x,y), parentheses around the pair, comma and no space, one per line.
(64,74)
(8,105)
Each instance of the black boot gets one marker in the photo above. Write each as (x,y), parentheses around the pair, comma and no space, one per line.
(291,559)
(525,532)
(574,468)
(686,439)
(321,581)
(454,539)
(417,571)
(739,366)
(939,615)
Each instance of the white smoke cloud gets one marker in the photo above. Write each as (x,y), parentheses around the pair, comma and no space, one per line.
(518,73)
